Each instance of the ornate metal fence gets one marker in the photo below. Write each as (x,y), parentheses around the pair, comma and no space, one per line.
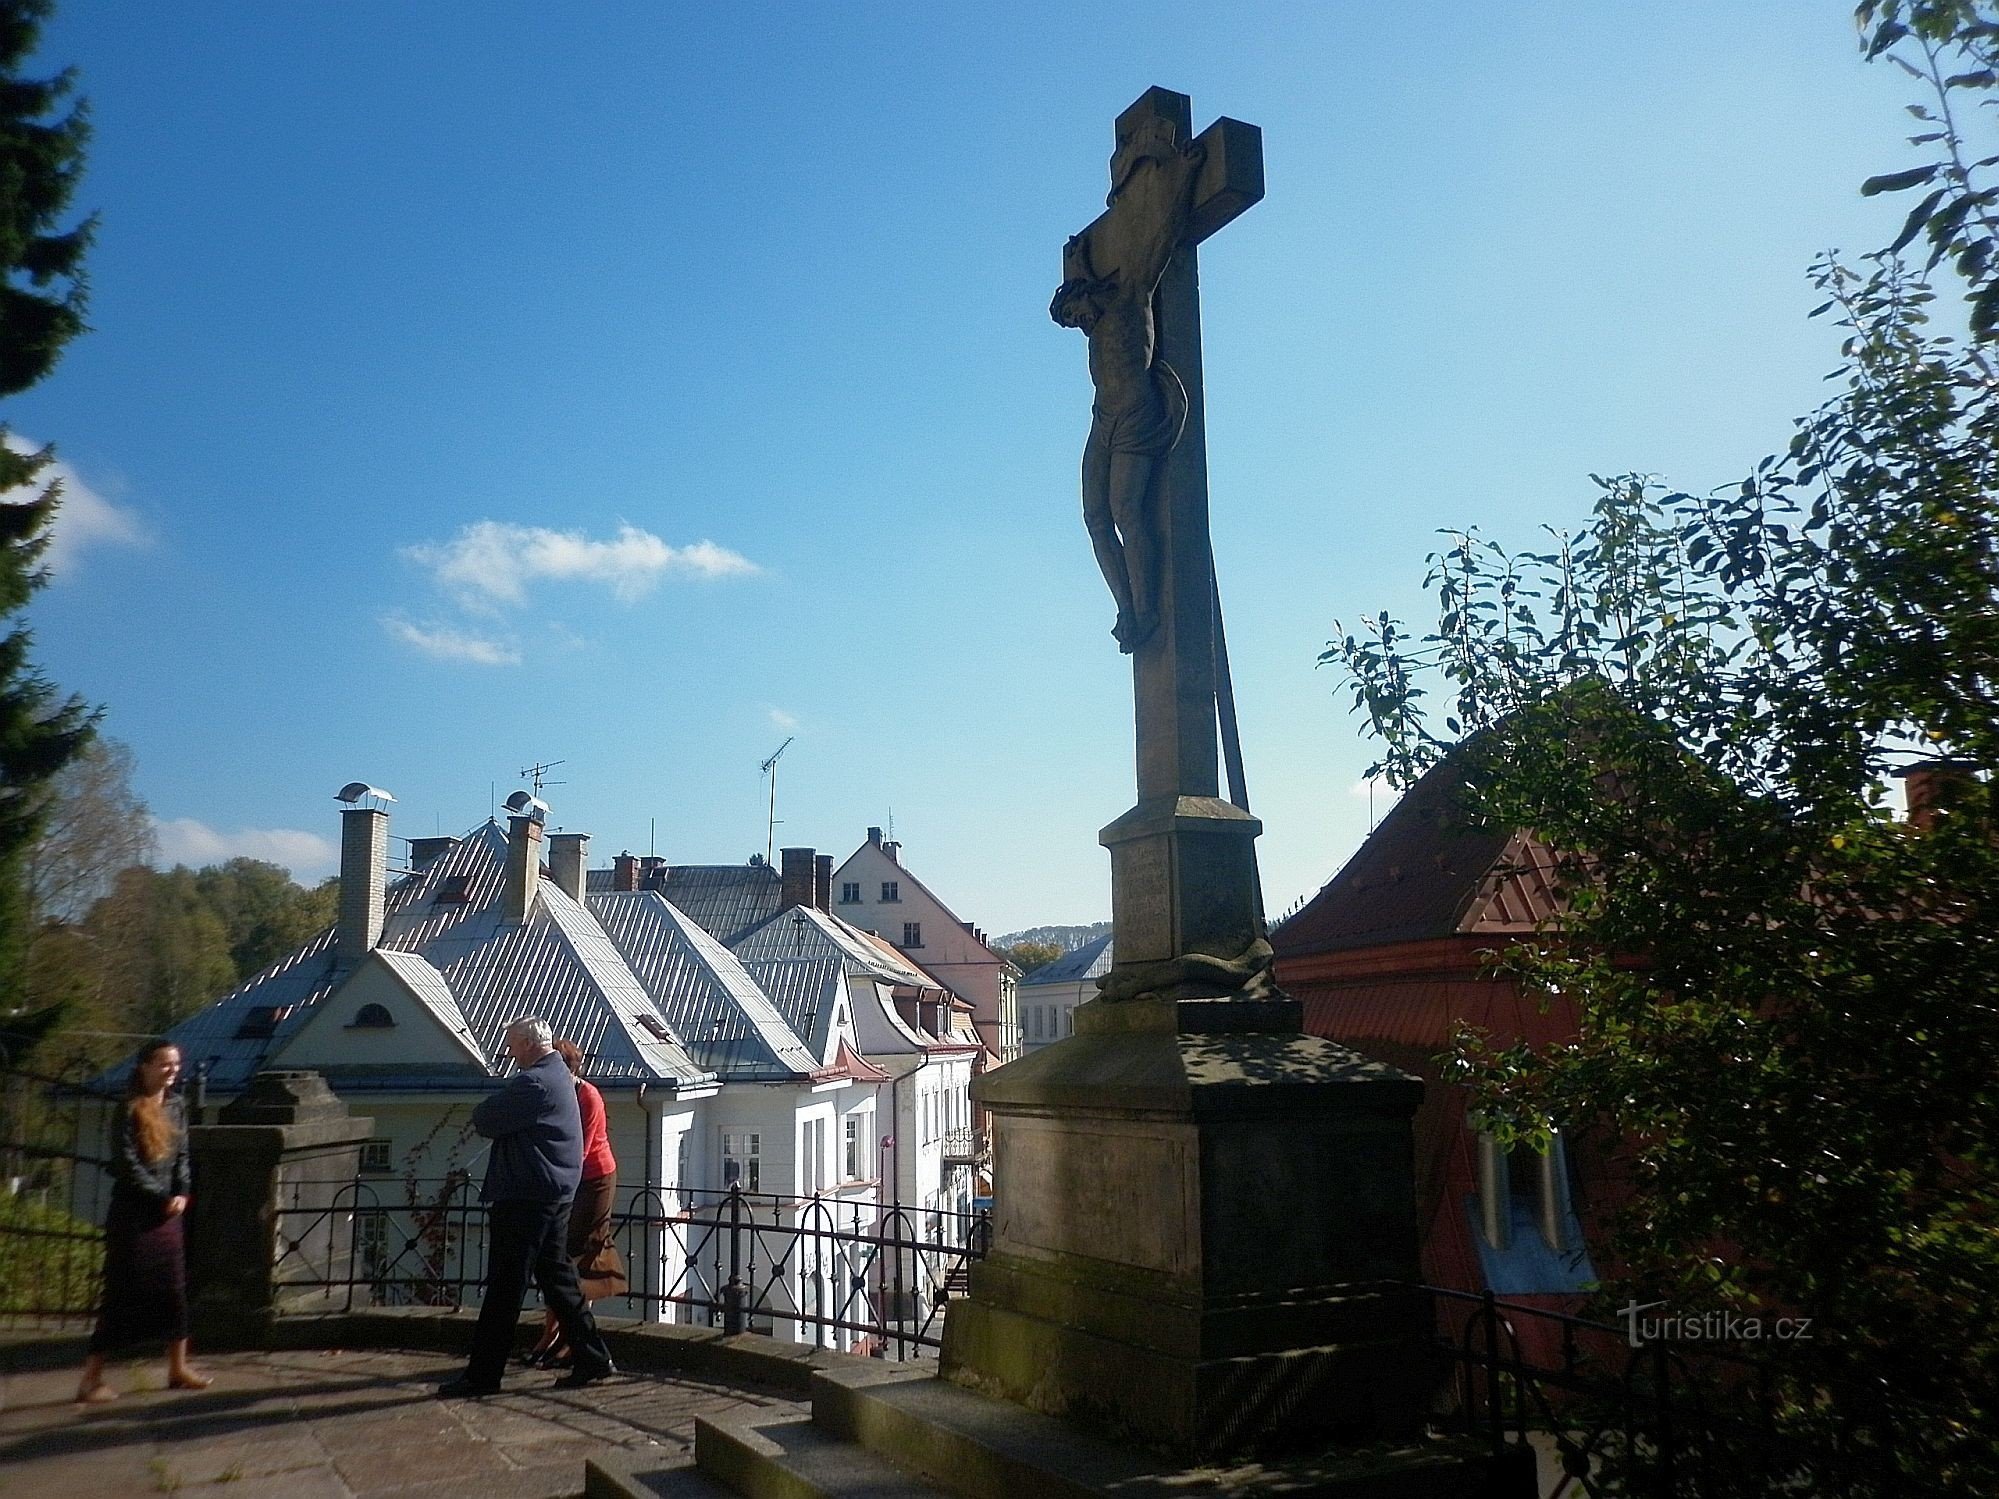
(845,1273)
(53,1192)
(1613,1415)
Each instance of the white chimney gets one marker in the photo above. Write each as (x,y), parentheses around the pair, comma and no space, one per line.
(364,857)
(567,856)
(523,866)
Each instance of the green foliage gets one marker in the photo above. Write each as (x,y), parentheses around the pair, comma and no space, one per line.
(120,950)
(1787,1021)
(41,309)
(1028,956)
(49,1261)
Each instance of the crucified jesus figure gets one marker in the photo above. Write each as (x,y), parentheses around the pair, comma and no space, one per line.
(1113,270)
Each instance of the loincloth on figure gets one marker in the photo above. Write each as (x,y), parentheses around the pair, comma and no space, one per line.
(1151,425)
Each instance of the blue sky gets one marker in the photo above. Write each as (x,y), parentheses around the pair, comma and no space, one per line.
(638,385)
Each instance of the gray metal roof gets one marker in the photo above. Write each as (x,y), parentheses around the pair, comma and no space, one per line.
(802,932)
(727,1022)
(559,965)
(807,992)
(1090,961)
(725,900)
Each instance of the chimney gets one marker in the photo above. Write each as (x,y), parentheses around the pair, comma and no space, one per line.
(822,882)
(364,857)
(1935,786)
(568,854)
(624,873)
(893,850)
(425,852)
(523,867)
(875,836)
(795,877)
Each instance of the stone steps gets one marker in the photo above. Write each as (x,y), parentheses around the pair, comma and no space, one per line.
(796,1458)
(894,1432)
(979,1448)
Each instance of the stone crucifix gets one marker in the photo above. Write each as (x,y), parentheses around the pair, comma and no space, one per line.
(1131,284)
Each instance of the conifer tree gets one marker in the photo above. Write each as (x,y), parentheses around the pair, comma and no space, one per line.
(42,137)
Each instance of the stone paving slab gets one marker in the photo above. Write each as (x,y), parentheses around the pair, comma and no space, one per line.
(342,1424)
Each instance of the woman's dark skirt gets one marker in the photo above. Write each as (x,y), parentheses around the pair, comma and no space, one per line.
(145,1276)
(600,1269)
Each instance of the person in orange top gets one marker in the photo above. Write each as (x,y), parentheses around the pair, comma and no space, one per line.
(599,1269)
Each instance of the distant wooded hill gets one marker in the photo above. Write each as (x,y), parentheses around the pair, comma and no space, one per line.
(1068,938)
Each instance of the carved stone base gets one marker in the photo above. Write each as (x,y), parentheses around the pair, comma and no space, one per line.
(1183,903)
(1205,1235)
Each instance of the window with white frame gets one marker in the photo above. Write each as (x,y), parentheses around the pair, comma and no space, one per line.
(742,1159)
(892,890)
(375,1156)
(855,1151)
(1523,1184)
(812,1158)
(912,934)
(850,892)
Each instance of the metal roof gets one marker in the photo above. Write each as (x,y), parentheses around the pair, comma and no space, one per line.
(559,965)
(1092,960)
(806,991)
(802,932)
(727,1022)
(725,900)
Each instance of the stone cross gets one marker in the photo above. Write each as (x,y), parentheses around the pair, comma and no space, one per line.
(1185,902)
(1173,666)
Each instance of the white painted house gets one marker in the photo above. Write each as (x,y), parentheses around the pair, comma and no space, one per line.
(874,891)
(911,1027)
(707,1081)
(1047,997)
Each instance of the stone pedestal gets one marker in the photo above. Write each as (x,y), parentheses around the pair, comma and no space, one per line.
(1183,880)
(1205,1235)
(271,1225)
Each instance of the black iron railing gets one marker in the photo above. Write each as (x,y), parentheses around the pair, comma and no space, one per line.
(53,1193)
(836,1272)
(1611,1413)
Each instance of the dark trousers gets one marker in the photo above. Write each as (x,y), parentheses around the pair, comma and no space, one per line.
(524,1237)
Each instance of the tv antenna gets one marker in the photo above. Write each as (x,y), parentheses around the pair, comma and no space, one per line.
(770,770)
(537,775)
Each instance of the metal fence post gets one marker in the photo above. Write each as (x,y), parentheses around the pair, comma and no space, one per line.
(1494,1405)
(732,1290)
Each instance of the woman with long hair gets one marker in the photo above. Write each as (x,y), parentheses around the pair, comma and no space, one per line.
(145,1259)
(599,1269)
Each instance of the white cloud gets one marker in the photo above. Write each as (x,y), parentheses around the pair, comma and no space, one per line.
(186,840)
(783,719)
(490,563)
(444,643)
(84,519)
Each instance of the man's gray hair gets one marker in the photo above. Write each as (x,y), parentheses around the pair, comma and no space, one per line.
(534,1028)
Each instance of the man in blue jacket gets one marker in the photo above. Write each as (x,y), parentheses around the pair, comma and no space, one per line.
(531,1177)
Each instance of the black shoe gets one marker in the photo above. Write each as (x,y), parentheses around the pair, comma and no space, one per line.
(463,1388)
(584,1374)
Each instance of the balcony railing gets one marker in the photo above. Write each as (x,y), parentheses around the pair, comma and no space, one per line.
(968,1145)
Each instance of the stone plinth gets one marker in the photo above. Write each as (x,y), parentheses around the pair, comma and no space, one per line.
(1205,1235)
(271,1223)
(1183,880)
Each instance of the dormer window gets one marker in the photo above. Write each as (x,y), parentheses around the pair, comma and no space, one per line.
(453,890)
(372,1018)
(258,1021)
(654,1027)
